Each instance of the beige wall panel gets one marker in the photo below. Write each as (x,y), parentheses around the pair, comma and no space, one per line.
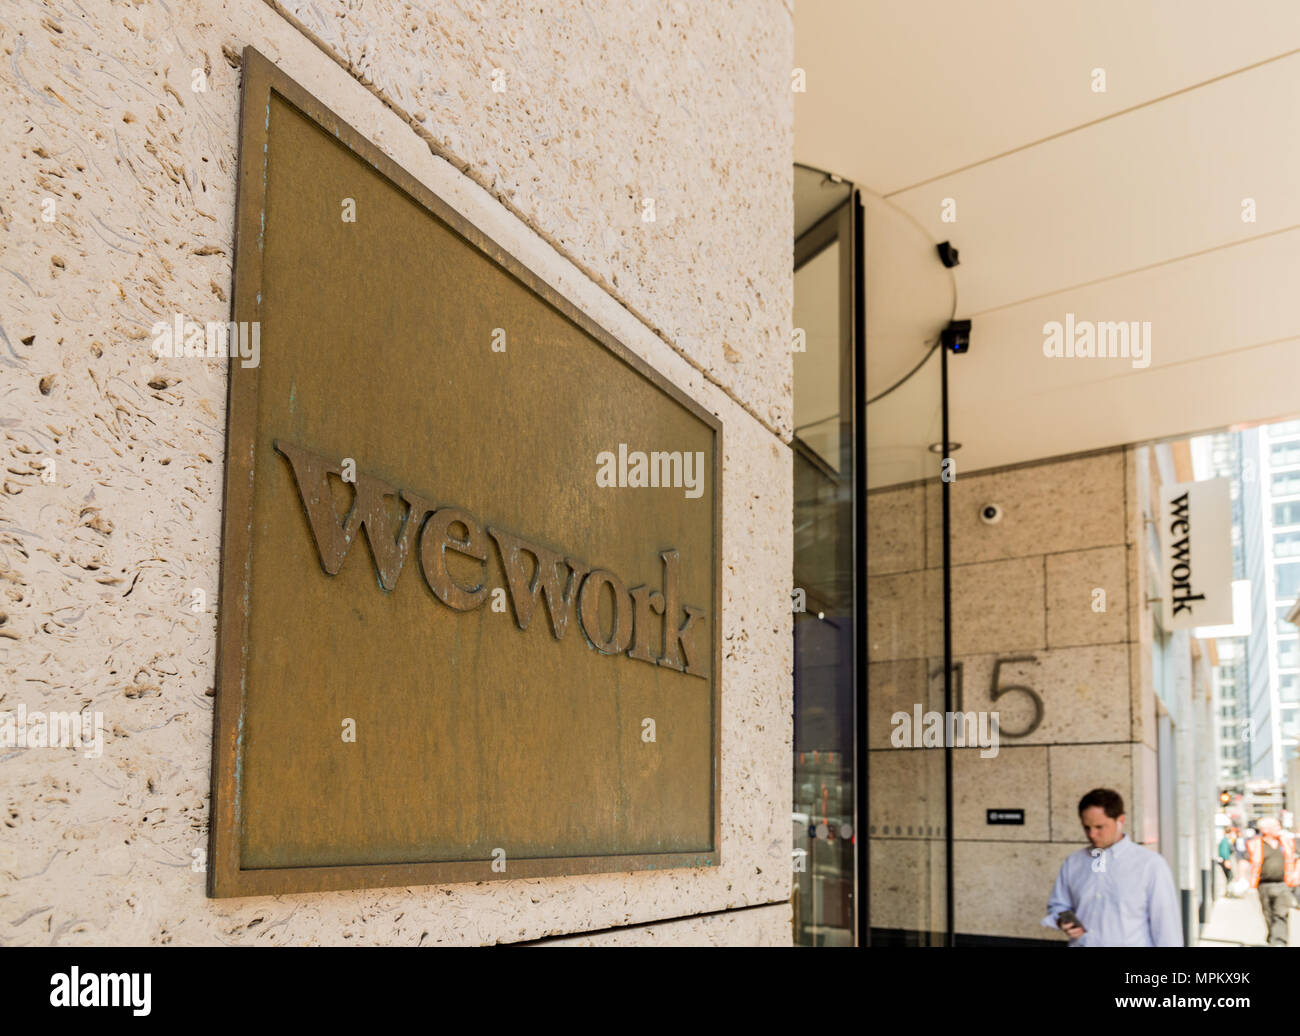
(1077,769)
(1005,887)
(1063,505)
(1016,778)
(1076,612)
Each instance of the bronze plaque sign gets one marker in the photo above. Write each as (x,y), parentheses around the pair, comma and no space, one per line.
(470,591)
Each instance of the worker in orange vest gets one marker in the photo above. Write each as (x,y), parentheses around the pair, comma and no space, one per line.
(1275,871)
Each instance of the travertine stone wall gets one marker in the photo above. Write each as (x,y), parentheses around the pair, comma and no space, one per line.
(117,192)
(1021,589)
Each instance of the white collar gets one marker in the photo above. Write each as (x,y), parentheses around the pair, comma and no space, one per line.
(1121,840)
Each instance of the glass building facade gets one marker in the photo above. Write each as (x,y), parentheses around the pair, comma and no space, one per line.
(869,406)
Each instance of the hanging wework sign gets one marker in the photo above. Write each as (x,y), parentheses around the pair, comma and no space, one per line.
(1196,554)
(469,599)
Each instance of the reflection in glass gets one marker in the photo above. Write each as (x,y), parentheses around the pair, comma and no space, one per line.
(909,299)
(824,789)
(869,570)
(818,378)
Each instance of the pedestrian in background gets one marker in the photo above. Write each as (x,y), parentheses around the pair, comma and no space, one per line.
(1241,865)
(1225,858)
(1273,872)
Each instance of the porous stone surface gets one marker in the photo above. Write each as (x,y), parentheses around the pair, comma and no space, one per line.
(117,207)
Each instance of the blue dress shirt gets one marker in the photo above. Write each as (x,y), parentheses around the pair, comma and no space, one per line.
(1123,896)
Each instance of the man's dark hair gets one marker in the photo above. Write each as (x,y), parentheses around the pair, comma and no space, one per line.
(1111,802)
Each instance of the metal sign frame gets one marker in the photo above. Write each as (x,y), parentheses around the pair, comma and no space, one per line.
(227,876)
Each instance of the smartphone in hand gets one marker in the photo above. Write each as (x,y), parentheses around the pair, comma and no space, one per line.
(1067,918)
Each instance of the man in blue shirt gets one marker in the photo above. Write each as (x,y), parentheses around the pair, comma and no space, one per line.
(1120,893)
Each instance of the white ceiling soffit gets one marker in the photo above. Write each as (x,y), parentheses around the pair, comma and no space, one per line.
(898,93)
(1117,206)
(1150,186)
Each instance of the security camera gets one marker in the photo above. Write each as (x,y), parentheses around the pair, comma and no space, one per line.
(956,336)
(991,514)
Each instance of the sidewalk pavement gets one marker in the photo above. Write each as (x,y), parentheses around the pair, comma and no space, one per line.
(1238,922)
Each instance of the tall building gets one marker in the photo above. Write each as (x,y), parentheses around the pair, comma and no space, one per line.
(1270,520)
(1279,466)
(1261,748)
(1220,455)
(1232,711)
